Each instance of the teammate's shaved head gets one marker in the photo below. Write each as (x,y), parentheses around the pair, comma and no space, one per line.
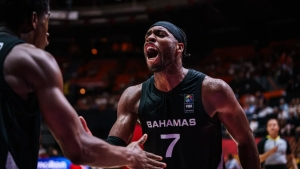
(13,13)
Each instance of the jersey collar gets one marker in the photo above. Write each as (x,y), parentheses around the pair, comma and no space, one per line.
(269,137)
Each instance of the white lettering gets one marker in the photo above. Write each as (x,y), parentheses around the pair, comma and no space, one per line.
(162,122)
(169,123)
(52,164)
(192,122)
(149,124)
(176,123)
(188,106)
(184,123)
(155,124)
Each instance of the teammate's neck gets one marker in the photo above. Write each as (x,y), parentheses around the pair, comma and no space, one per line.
(166,81)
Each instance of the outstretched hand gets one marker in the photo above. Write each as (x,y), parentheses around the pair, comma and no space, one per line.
(143,159)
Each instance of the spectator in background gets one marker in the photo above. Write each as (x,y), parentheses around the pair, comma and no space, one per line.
(283,105)
(291,124)
(250,106)
(42,152)
(282,117)
(53,152)
(274,150)
(254,124)
(298,112)
(264,111)
(232,163)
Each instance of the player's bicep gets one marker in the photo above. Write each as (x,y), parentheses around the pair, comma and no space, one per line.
(236,123)
(126,116)
(58,114)
(231,113)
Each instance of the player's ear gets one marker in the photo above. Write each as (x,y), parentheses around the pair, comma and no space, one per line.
(180,47)
(34,20)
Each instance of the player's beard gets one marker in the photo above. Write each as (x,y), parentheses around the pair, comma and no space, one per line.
(166,58)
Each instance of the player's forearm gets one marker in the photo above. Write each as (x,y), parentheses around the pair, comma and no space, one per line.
(248,155)
(98,153)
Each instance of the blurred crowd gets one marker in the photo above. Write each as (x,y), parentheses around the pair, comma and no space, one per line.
(250,72)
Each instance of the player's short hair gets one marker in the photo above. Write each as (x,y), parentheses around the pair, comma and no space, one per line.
(15,12)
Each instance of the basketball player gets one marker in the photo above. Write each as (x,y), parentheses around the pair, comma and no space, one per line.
(181,109)
(30,80)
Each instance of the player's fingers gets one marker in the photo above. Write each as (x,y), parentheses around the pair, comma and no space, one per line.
(153,156)
(84,125)
(153,167)
(153,164)
(143,139)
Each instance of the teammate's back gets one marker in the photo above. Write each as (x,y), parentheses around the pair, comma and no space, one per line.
(19,118)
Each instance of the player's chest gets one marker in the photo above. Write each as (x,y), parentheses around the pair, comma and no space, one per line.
(183,104)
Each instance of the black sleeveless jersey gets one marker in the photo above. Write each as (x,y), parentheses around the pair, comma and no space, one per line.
(178,127)
(19,119)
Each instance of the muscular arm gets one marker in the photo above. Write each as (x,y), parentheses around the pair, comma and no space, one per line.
(219,100)
(127,114)
(41,73)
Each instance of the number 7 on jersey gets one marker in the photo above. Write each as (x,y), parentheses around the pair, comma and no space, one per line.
(171,146)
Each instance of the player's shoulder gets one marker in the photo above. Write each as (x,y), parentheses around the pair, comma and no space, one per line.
(29,54)
(31,61)
(214,85)
(130,97)
(133,90)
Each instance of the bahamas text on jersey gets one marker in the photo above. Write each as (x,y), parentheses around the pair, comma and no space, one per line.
(171,123)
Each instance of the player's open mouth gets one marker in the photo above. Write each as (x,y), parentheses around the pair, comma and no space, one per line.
(152,52)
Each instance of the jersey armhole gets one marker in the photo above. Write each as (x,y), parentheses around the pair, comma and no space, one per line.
(145,86)
(199,90)
(6,48)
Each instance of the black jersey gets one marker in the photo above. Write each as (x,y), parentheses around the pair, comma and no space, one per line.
(19,119)
(178,127)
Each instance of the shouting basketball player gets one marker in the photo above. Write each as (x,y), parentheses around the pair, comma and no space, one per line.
(181,109)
